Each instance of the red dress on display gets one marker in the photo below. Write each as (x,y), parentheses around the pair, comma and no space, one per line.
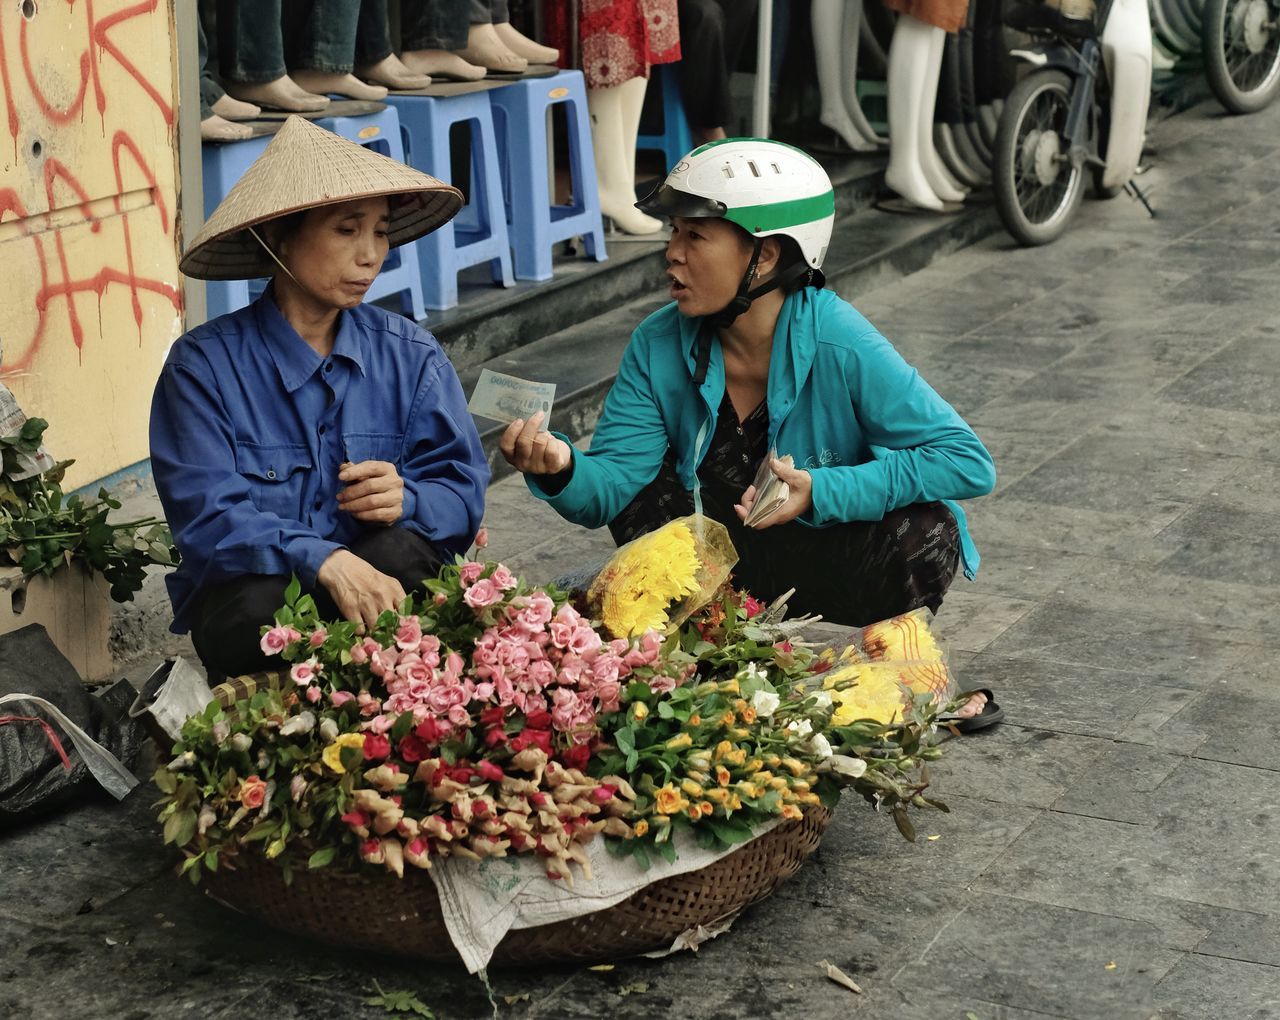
(617,40)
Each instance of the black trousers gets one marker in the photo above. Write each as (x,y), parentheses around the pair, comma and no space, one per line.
(232,613)
(712,33)
(853,574)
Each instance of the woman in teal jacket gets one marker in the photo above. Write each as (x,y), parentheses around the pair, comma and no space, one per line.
(754,358)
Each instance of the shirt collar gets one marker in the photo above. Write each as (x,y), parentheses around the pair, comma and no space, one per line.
(294,358)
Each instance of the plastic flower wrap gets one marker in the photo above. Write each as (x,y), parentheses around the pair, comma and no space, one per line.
(885,666)
(657,581)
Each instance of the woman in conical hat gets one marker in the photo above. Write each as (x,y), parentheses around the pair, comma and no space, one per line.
(309,434)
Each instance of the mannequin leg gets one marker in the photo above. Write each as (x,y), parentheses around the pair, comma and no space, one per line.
(941,183)
(375,62)
(615,121)
(836,63)
(908,71)
(320,47)
(214,125)
(429,31)
(484,48)
(517,42)
(251,56)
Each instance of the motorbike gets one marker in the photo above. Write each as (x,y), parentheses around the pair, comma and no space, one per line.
(1080,113)
(1241,40)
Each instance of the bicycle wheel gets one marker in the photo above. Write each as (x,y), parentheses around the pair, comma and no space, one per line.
(1242,53)
(1037,189)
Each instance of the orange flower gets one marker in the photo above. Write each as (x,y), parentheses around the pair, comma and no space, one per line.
(669,800)
(252,792)
(718,796)
(706,807)
(691,788)
(694,812)
(722,775)
(728,719)
(723,750)
(791,811)
(695,719)
(641,827)
(749,715)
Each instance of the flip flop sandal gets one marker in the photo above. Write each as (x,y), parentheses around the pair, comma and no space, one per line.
(990,715)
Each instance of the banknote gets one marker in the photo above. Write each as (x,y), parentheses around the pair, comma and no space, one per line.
(505,397)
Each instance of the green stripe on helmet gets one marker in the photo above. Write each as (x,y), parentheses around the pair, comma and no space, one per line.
(773,215)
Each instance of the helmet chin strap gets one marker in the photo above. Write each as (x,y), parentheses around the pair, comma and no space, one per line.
(742,300)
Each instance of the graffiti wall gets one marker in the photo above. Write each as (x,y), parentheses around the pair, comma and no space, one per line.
(88,260)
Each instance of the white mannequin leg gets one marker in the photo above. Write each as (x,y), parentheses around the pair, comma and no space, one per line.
(615,121)
(852,40)
(836,62)
(941,183)
(908,69)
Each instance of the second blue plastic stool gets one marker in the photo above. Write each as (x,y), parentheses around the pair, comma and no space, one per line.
(536,223)
(675,141)
(479,232)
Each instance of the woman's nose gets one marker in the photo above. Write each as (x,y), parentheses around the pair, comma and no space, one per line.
(675,250)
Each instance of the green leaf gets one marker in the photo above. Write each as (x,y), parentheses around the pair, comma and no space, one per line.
(322,858)
(665,711)
(292,592)
(165,780)
(211,860)
(262,830)
(399,1002)
(351,757)
(625,739)
(180,828)
(401,728)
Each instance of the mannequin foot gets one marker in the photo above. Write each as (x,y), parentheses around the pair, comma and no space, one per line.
(628,218)
(913,187)
(218,129)
(849,134)
(281,94)
(523,46)
(392,74)
(324,82)
(232,109)
(486,50)
(441,64)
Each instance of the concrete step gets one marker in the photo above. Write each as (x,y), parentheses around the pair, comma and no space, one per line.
(489,321)
(870,248)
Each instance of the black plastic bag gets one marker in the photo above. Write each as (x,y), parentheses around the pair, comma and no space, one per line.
(40,766)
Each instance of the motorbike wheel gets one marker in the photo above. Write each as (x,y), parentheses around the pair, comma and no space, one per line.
(1242,53)
(1037,189)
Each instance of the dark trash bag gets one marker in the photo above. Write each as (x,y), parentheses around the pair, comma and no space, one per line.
(33,777)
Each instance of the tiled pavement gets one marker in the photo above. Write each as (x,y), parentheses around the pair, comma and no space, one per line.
(1111,851)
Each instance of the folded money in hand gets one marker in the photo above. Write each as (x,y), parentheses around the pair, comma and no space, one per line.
(771,491)
(506,397)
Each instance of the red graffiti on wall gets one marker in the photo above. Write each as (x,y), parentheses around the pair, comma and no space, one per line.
(59,179)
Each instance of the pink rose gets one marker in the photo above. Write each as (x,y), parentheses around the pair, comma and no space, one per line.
(661,684)
(409,633)
(277,639)
(482,538)
(441,699)
(381,723)
(313,694)
(369,705)
(609,694)
(303,673)
(490,772)
(584,640)
(318,637)
(358,655)
(503,578)
(483,593)
(470,573)
(340,698)
(440,598)
(415,672)
(752,606)
(383,661)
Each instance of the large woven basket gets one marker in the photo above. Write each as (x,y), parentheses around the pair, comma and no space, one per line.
(379,911)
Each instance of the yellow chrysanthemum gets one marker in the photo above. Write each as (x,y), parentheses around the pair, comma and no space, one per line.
(332,754)
(907,642)
(637,587)
(874,695)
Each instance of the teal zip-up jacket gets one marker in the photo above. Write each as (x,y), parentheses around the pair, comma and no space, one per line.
(873,435)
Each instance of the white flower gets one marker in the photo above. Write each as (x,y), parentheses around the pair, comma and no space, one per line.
(220,732)
(820,746)
(800,728)
(765,703)
(241,742)
(755,672)
(821,699)
(329,731)
(303,722)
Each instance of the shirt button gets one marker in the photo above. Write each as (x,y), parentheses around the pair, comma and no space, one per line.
(328,366)
(318,505)
(271,474)
(322,430)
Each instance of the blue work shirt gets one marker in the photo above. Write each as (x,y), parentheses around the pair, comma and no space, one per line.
(250,426)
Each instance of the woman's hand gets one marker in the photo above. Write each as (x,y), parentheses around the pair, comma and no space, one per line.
(532,452)
(362,593)
(374,492)
(798,501)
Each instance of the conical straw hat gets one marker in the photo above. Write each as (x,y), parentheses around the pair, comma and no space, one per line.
(303,167)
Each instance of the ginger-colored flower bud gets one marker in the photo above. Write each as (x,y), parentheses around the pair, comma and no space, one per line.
(691,788)
(718,796)
(749,716)
(680,742)
(695,719)
(639,712)
(706,808)
(722,775)
(738,733)
(723,750)
(794,766)
(773,760)
(778,783)
(730,686)
(641,828)
(790,811)
(728,719)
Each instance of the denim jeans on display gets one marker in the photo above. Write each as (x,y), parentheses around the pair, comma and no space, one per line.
(434,24)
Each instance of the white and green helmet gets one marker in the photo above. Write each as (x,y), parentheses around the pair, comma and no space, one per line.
(768,188)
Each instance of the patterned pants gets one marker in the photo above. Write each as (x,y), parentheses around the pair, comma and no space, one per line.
(853,574)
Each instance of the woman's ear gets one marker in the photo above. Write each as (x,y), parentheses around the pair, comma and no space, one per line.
(770,253)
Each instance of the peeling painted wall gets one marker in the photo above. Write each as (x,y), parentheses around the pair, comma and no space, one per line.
(90,297)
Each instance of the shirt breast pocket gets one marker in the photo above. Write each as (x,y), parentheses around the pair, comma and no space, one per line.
(361,446)
(276,476)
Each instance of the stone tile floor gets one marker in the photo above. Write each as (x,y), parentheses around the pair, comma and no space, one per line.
(1111,851)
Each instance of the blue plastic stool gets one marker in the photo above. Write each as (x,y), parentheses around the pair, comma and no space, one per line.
(520,114)
(676,140)
(223,165)
(479,232)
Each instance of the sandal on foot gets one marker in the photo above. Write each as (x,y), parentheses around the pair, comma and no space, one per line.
(990,715)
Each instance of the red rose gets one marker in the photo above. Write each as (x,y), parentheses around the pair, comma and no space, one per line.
(252,792)
(495,736)
(530,737)
(461,774)
(539,720)
(428,730)
(752,606)
(412,748)
(490,772)
(494,716)
(576,757)
(376,746)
